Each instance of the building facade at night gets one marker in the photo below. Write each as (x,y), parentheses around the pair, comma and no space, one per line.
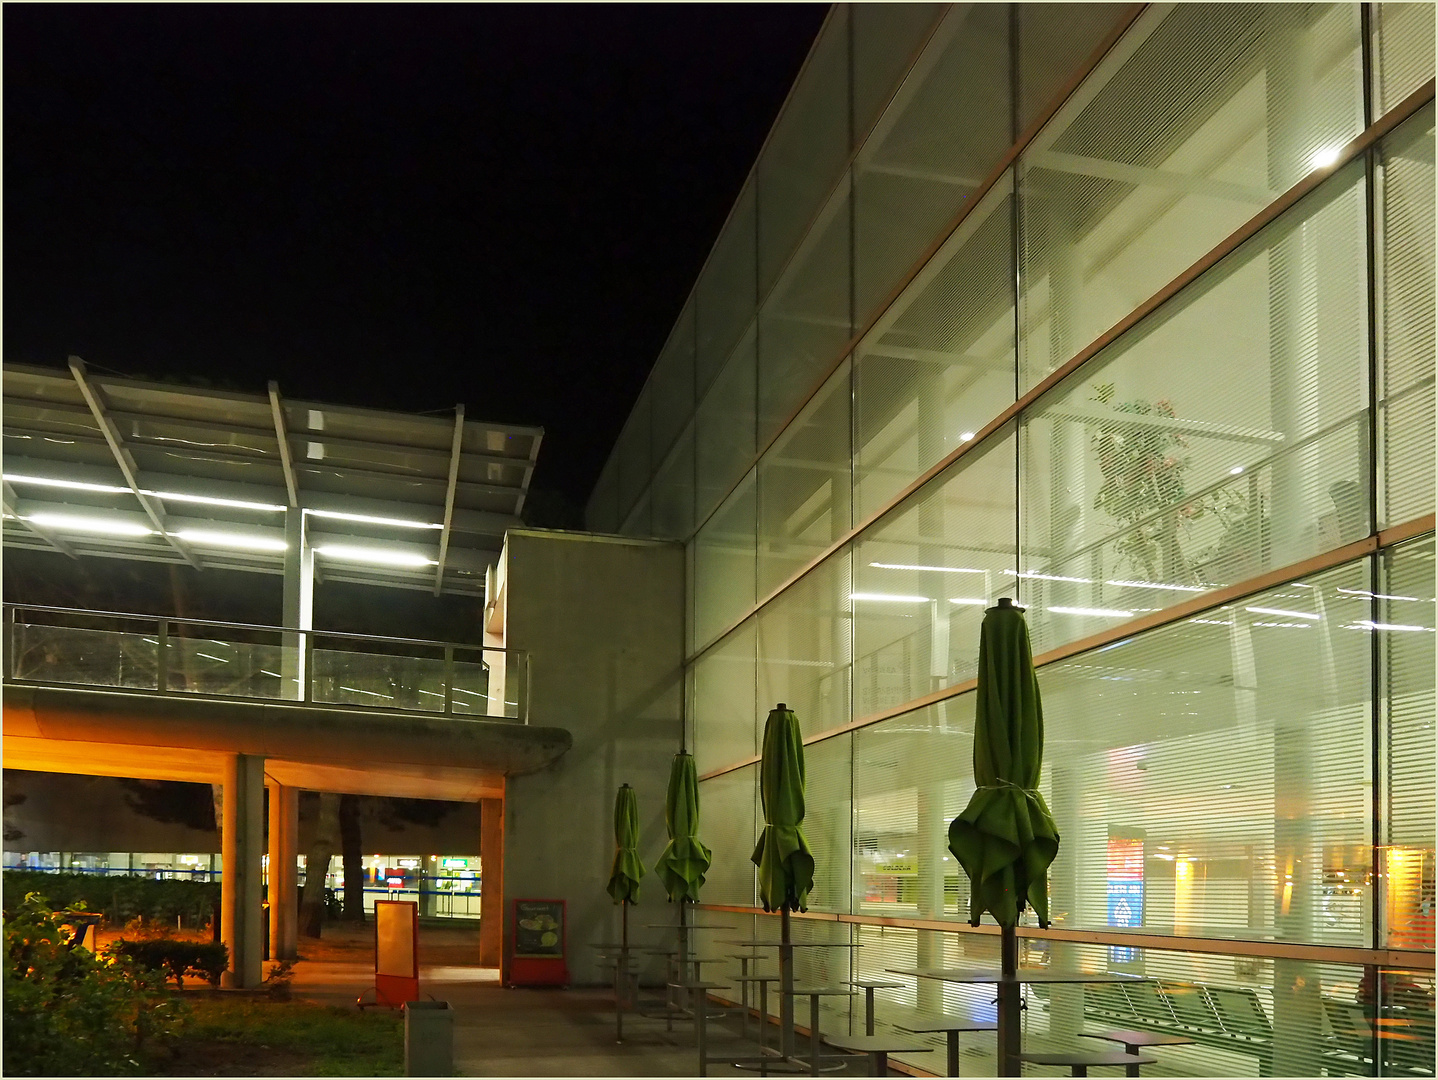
(1127,313)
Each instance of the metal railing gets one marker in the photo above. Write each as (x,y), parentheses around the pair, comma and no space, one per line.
(205,657)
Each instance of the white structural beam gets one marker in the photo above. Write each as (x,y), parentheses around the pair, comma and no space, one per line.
(283,435)
(152,507)
(12,508)
(456,451)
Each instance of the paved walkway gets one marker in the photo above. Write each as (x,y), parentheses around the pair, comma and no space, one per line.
(501,1032)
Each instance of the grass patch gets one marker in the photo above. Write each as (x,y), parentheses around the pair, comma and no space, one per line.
(248,1037)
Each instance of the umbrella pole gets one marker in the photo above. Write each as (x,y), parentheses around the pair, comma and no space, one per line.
(786,986)
(1008,1003)
(621,971)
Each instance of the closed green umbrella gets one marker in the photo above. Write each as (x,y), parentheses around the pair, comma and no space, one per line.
(685,861)
(786,865)
(1006,838)
(624,877)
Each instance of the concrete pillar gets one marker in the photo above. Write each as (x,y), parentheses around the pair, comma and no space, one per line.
(242,841)
(491,886)
(284,877)
(297,602)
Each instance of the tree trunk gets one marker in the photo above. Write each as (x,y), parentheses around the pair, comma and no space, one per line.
(351,845)
(323,845)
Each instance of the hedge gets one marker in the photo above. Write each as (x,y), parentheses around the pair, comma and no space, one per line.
(175,959)
(118,897)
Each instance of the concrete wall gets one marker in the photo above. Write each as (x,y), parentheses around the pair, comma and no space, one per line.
(603,620)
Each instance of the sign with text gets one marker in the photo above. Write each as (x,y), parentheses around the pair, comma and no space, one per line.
(537,944)
(1125,892)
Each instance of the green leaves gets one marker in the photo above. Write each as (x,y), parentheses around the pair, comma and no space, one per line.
(121,898)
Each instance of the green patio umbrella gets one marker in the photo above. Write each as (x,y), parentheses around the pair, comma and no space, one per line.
(1006,838)
(786,865)
(685,861)
(624,877)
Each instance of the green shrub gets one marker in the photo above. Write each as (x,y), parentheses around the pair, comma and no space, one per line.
(174,958)
(68,1012)
(120,898)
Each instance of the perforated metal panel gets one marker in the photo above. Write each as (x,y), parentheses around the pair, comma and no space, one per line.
(672,495)
(804,646)
(1402,51)
(724,437)
(887,40)
(807,150)
(727,716)
(946,128)
(672,385)
(925,573)
(1224,435)
(1199,118)
(1405,418)
(724,552)
(940,364)
(727,294)
(804,485)
(806,322)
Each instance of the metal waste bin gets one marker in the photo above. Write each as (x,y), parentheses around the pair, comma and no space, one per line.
(428,1038)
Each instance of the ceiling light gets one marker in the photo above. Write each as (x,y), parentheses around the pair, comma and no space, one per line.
(71,485)
(210,500)
(938,569)
(889,597)
(1158,585)
(105,526)
(1097,611)
(231,540)
(969,600)
(377,556)
(1281,611)
(1050,577)
(367,519)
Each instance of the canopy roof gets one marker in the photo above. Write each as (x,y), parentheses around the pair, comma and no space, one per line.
(112,466)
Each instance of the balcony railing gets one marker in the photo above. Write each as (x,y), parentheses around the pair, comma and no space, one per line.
(74,647)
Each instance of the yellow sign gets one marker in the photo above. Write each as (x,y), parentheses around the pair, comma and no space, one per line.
(897,868)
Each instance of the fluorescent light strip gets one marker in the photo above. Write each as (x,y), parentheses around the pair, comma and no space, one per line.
(231,540)
(1380,596)
(1282,611)
(969,601)
(1104,613)
(1367,625)
(211,500)
(892,598)
(207,656)
(938,569)
(104,526)
(70,485)
(1050,577)
(1285,625)
(374,556)
(1158,585)
(367,519)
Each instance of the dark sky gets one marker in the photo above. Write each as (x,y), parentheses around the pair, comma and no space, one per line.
(402,207)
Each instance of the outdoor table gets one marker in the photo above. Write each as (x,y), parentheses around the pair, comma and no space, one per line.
(952,1027)
(814,993)
(701,1013)
(1025,977)
(743,980)
(877,1048)
(1080,1063)
(1134,1041)
(786,1021)
(869,986)
(762,981)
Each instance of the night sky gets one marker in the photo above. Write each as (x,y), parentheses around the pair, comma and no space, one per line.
(402,207)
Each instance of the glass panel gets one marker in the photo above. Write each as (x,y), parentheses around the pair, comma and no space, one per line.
(727,815)
(1223,436)
(354,677)
(946,128)
(1215,773)
(924,575)
(804,647)
(673,384)
(1402,51)
(1405,418)
(724,429)
(805,323)
(64,654)
(725,717)
(673,493)
(887,39)
(828,823)
(939,365)
(804,485)
(637,523)
(724,564)
(1055,40)
(1405,1021)
(1196,120)
(727,294)
(1406,620)
(473,687)
(229,669)
(806,151)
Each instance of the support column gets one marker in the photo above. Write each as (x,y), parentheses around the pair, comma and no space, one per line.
(491,885)
(298,603)
(284,877)
(242,840)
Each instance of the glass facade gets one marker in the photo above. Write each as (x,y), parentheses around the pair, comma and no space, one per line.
(1127,314)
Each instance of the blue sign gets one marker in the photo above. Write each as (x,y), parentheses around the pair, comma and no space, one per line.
(1125,910)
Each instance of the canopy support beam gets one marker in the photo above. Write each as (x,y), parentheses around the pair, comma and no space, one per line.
(283,437)
(456,450)
(11,508)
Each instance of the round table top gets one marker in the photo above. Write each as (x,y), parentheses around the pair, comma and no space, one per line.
(1094,1058)
(950,1023)
(825,991)
(1139,1038)
(875,1044)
